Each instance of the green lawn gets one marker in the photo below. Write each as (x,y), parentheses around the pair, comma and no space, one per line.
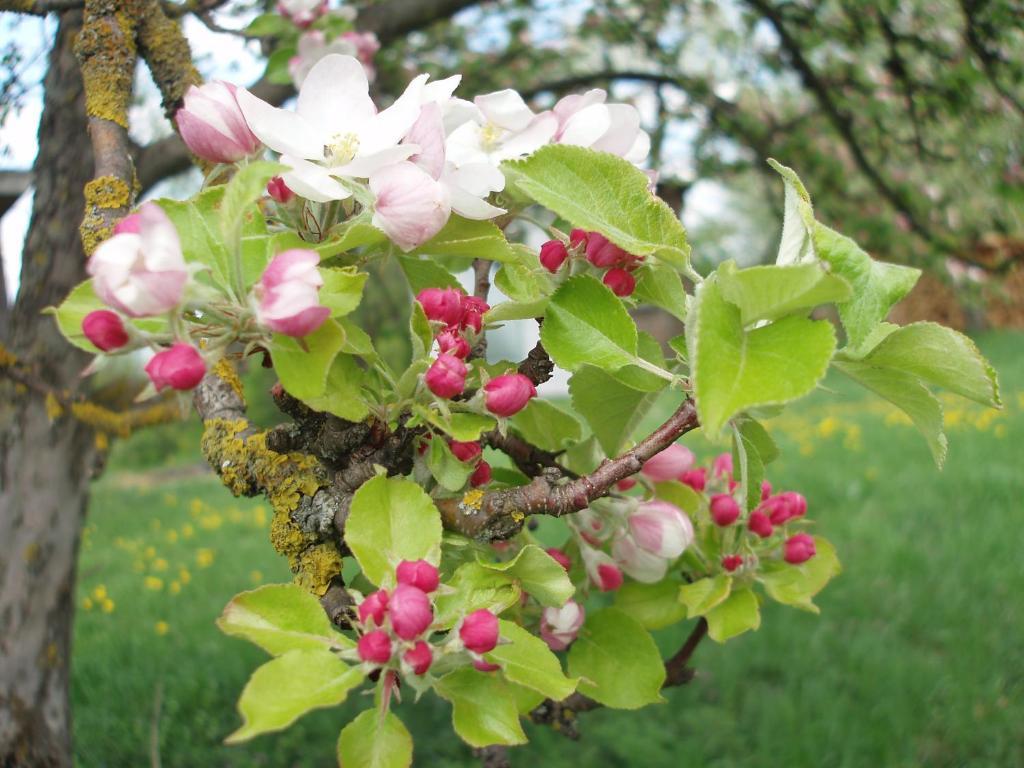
(916,660)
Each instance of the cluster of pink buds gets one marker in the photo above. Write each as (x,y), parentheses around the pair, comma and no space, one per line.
(456,315)
(395,626)
(302,13)
(472,452)
(599,251)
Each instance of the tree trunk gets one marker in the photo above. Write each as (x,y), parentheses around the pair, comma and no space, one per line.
(44,465)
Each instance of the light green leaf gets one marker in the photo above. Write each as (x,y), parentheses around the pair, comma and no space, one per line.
(769,292)
(342,289)
(289,686)
(420,332)
(680,494)
(466,237)
(469,426)
(753,448)
(586,323)
(303,365)
(734,369)
(704,594)
(69,315)
(390,520)
(523,283)
(612,409)
(375,740)
(343,391)
(645,379)
(474,587)
(655,606)
(877,286)
(515,310)
(617,661)
(602,192)
(451,473)
(545,425)
(796,245)
(735,616)
(484,710)
(536,572)
(526,659)
(197,221)
(796,584)
(345,237)
(280,618)
(907,393)
(424,273)
(660,285)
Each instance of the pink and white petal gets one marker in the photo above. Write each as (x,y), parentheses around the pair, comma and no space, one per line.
(364,166)
(569,105)
(281,130)
(479,179)
(464,145)
(390,126)
(622,132)
(441,91)
(428,133)
(471,206)
(533,138)
(506,109)
(312,181)
(411,207)
(159,240)
(335,96)
(458,112)
(585,127)
(640,150)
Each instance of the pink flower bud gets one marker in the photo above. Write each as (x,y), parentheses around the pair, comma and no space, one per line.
(479,631)
(722,465)
(289,294)
(724,509)
(553,254)
(620,281)
(375,607)
(799,549)
(419,657)
(481,475)
(669,464)
(279,191)
(641,564)
(766,489)
(105,330)
(410,610)
(760,524)
(560,626)
(375,647)
(732,562)
(485,666)
(418,573)
(466,451)
(695,478)
(473,310)
(131,224)
(443,305)
(603,253)
(212,125)
(784,506)
(559,557)
(302,13)
(797,503)
(451,343)
(577,238)
(626,484)
(180,367)
(601,569)
(661,528)
(446,377)
(141,273)
(509,393)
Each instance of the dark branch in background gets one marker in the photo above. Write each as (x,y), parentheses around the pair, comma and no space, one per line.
(989,59)
(495,756)
(389,20)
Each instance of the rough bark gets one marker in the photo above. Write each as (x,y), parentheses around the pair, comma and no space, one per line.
(44,466)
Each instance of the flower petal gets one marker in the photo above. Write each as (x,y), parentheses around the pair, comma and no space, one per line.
(312,181)
(281,130)
(335,96)
(506,109)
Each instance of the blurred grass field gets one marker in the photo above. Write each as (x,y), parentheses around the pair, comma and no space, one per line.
(916,660)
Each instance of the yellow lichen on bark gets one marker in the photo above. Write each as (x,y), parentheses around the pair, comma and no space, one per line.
(107,193)
(105,46)
(168,56)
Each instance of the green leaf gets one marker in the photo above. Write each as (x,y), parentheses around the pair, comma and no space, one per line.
(521,283)
(876,286)
(939,356)
(72,311)
(526,659)
(303,365)
(796,584)
(277,70)
(907,393)
(451,473)
(342,289)
(474,587)
(602,192)
(753,449)
(680,494)
(515,310)
(704,594)
(466,237)
(661,286)
(545,425)
(654,606)
(420,332)
(770,292)
(586,323)
(735,616)
(197,222)
(268,25)
(734,369)
(612,409)
(536,572)
(796,245)
(424,273)
(280,618)
(645,379)
(343,391)
(245,188)
(617,661)
(484,710)
(390,520)
(285,688)
(469,426)
(375,740)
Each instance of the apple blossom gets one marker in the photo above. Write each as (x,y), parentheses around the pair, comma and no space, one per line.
(481,475)
(766,490)
(131,223)
(279,191)
(479,631)
(760,524)
(105,330)
(620,281)
(212,125)
(668,464)
(731,562)
(695,478)
(578,238)
(586,121)
(799,549)
(419,657)
(375,647)
(485,666)
(640,563)
(313,45)
(450,342)
(601,569)
(180,367)
(443,305)
(141,273)
(724,509)
(410,611)
(473,310)
(302,13)
(411,207)
(508,394)
(603,253)
(661,528)
(626,484)
(419,574)
(374,606)
(722,465)
(560,626)
(553,254)
(559,557)
(466,451)
(446,377)
(288,294)
(503,128)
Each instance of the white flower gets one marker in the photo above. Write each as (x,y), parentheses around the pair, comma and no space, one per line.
(411,207)
(503,128)
(586,121)
(313,46)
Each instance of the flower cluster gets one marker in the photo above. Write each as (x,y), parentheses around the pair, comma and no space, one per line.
(617,265)
(396,627)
